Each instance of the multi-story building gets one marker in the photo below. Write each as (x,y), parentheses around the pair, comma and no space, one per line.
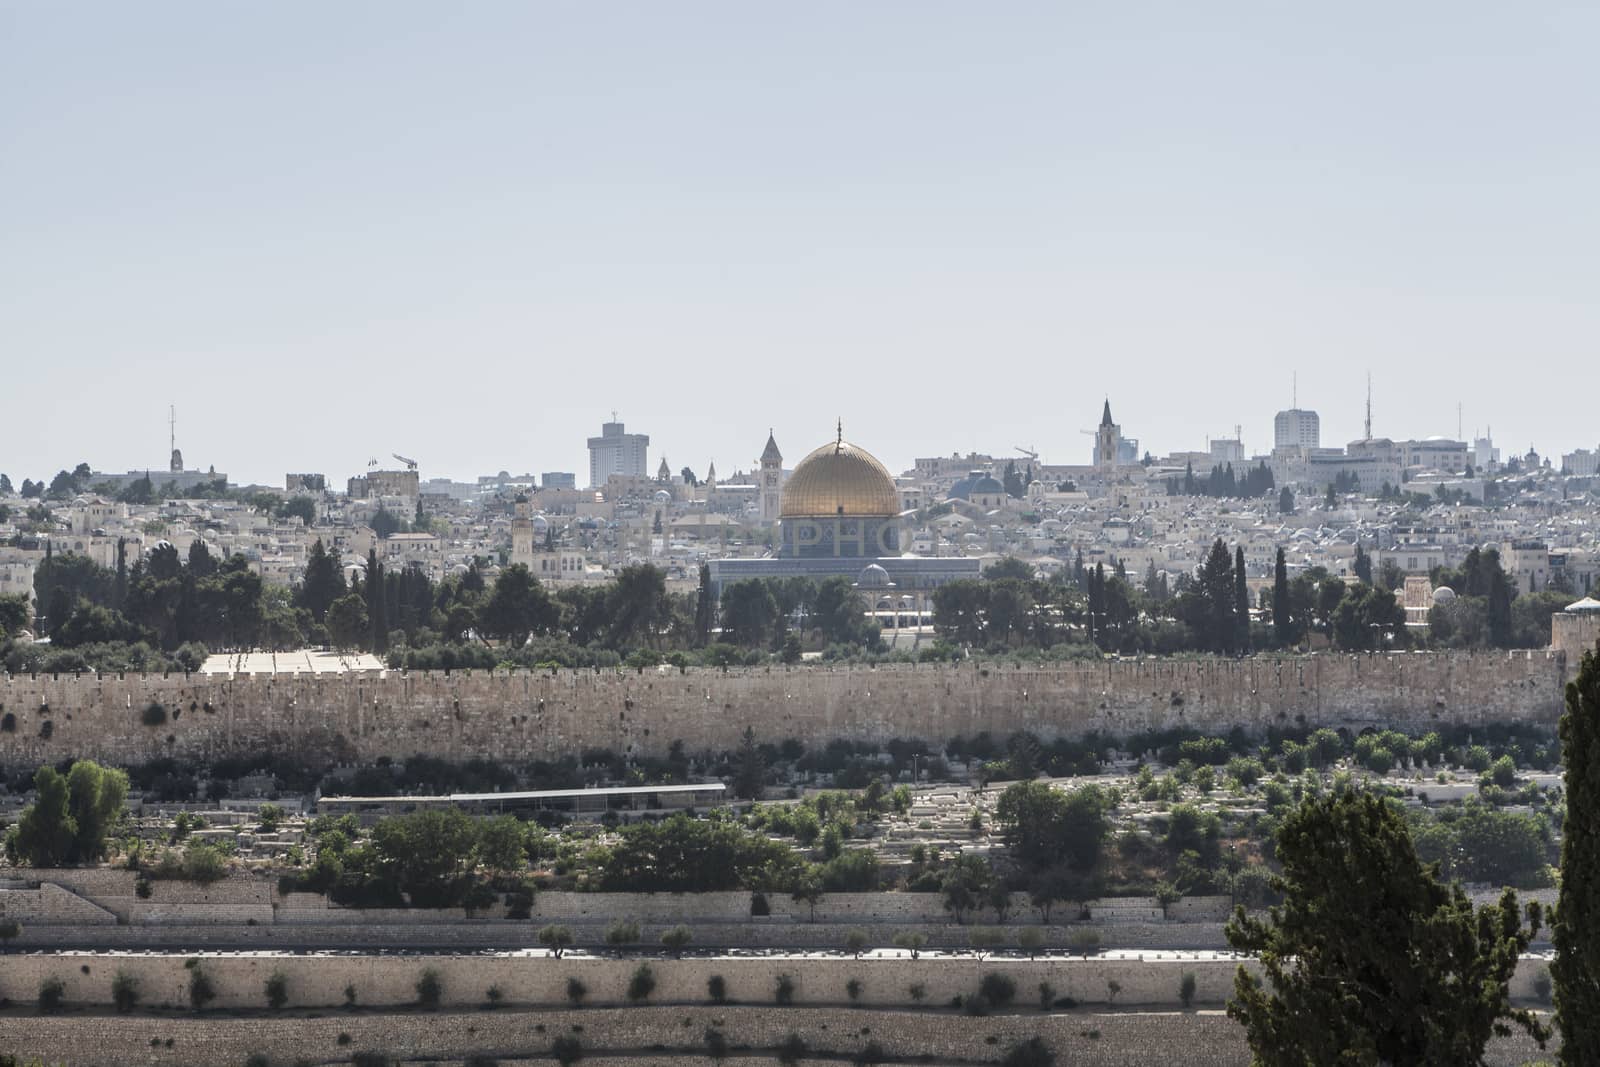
(1436,453)
(616,451)
(1297,428)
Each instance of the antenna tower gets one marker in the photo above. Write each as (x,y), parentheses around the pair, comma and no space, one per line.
(1369,406)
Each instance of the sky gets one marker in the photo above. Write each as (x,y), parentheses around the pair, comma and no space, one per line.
(468,232)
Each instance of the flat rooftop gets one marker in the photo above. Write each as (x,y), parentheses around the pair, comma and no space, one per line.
(304,661)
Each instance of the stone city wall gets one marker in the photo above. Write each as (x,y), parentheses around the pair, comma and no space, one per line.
(629,1038)
(525,715)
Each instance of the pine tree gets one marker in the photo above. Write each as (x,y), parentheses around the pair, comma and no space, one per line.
(1577,921)
(1241,603)
(1370,959)
(1282,625)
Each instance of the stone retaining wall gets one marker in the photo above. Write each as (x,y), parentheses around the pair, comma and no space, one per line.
(1083,1039)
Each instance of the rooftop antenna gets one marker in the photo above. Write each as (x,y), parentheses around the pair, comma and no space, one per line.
(1369,405)
(1458,422)
(1294,389)
(172,428)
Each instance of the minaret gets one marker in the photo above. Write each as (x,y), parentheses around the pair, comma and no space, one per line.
(771,481)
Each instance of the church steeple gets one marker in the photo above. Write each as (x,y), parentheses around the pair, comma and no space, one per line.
(770,454)
(1105,418)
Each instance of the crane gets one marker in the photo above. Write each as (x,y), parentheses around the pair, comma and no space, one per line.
(411,464)
(1030,453)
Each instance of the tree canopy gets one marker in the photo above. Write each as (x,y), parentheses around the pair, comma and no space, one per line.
(1370,959)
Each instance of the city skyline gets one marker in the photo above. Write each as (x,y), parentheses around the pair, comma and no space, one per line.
(465,236)
(1070,451)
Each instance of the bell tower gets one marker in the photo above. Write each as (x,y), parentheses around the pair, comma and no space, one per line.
(771,482)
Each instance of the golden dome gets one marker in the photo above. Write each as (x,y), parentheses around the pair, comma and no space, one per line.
(839,479)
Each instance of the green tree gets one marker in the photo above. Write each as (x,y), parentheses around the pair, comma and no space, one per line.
(1241,603)
(348,626)
(518,607)
(96,797)
(750,778)
(1370,959)
(1043,825)
(1576,969)
(323,581)
(749,613)
(45,833)
(1283,630)
(556,938)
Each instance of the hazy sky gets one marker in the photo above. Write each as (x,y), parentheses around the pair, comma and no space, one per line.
(468,231)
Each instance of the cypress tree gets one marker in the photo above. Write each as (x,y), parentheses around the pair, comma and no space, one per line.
(119,593)
(1282,626)
(1217,589)
(1241,603)
(377,610)
(1576,969)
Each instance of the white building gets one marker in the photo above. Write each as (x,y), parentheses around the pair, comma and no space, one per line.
(1297,428)
(616,451)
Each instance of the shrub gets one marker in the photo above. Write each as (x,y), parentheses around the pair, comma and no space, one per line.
(716,1044)
(911,941)
(791,1049)
(871,1053)
(918,991)
(142,888)
(1186,989)
(998,989)
(52,996)
(1113,987)
(153,715)
(430,989)
(642,984)
(852,989)
(556,939)
(10,929)
(717,989)
(1084,940)
(621,933)
(759,905)
(124,991)
(1541,985)
(676,939)
(783,989)
(350,995)
(1030,1053)
(576,991)
(257,1059)
(277,988)
(1030,939)
(1047,995)
(201,989)
(567,1050)
(493,996)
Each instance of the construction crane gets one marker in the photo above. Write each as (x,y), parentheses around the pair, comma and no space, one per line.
(1030,453)
(411,464)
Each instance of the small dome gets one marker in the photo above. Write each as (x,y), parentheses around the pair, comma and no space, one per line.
(874,577)
(540,523)
(1443,595)
(663,497)
(987,485)
(1587,606)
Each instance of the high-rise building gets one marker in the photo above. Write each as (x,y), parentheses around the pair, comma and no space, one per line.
(616,451)
(1296,428)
